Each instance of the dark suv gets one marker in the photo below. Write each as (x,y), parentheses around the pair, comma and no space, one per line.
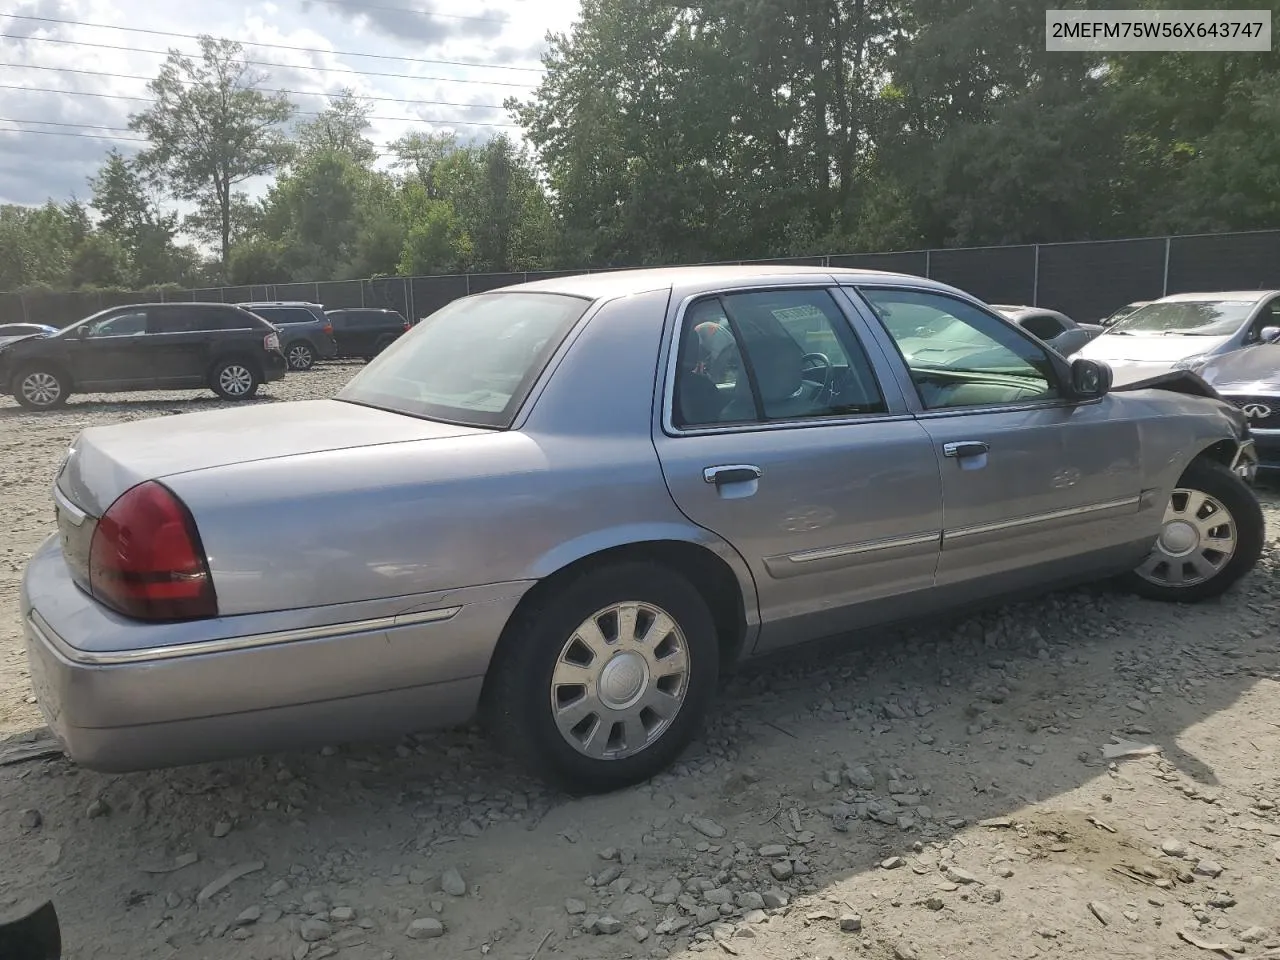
(365,331)
(148,346)
(305,332)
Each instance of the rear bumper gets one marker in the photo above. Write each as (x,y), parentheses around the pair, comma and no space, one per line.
(326,347)
(274,367)
(166,701)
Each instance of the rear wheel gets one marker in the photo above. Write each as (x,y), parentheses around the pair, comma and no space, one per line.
(40,388)
(604,682)
(234,380)
(300,356)
(1211,536)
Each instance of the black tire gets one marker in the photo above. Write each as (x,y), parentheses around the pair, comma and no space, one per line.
(1245,519)
(39,387)
(517,708)
(234,379)
(300,355)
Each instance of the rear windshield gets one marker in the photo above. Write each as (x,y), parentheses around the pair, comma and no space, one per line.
(1198,318)
(472,362)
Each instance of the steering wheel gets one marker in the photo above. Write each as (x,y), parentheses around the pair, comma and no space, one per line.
(812,363)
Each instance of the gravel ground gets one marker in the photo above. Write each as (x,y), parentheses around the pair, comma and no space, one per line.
(925,794)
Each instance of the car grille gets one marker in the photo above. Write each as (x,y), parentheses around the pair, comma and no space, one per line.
(1263,412)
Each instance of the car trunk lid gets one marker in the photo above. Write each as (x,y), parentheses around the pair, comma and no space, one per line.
(104,462)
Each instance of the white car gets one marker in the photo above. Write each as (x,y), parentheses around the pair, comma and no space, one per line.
(1184,332)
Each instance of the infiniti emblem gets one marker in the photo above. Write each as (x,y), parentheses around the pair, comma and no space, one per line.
(1256,411)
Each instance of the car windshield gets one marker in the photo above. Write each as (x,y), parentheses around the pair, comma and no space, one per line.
(471,362)
(1197,318)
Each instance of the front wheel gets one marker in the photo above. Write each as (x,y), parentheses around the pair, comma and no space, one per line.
(234,380)
(40,388)
(602,683)
(1211,536)
(300,356)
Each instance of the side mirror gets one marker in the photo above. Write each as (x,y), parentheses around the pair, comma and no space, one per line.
(1269,335)
(1089,379)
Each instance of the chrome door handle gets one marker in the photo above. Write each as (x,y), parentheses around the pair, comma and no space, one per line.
(965,448)
(731,473)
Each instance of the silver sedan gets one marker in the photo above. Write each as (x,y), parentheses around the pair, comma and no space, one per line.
(569,506)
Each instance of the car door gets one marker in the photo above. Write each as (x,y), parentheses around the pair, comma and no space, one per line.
(1035,485)
(179,337)
(785,435)
(109,354)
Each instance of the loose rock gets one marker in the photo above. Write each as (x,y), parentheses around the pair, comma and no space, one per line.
(1173,848)
(425,928)
(249,915)
(30,819)
(451,882)
(850,923)
(1208,868)
(97,808)
(607,925)
(574,907)
(706,827)
(313,930)
(1102,912)
(893,863)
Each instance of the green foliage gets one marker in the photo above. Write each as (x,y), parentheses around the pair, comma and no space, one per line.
(210,130)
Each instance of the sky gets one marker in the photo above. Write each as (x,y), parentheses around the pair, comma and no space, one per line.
(68,71)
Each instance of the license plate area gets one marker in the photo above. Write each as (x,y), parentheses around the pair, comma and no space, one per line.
(75,531)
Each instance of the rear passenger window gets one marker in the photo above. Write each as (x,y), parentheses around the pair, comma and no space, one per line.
(284,314)
(770,355)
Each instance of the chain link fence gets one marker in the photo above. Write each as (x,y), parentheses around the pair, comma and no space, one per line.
(1085,280)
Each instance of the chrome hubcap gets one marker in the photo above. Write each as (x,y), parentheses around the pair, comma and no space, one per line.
(235,380)
(300,357)
(620,680)
(41,389)
(1197,539)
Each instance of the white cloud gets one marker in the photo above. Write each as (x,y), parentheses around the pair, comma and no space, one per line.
(84,110)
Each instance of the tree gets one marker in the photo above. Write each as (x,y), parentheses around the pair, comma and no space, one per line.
(419,155)
(210,130)
(130,216)
(340,128)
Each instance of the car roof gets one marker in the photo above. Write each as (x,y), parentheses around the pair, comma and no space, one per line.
(1251,296)
(279,303)
(171,303)
(621,283)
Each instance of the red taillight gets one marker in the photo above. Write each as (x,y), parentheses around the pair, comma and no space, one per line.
(328,328)
(146,559)
(407,325)
(271,342)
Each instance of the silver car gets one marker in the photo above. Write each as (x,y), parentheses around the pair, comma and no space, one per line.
(1184,332)
(545,505)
